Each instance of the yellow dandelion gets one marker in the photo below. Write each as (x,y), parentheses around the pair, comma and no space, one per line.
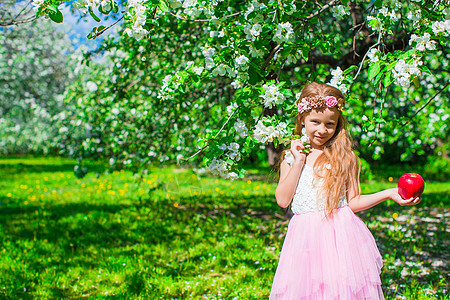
(246,193)
(257,187)
(395,215)
(83,185)
(217,189)
(391,179)
(26,203)
(9,195)
(37,181)
(221,192)
(38,187)
(53,192)
(249,181)
(45,189)
(175,204)
(171,180)
(45,178)
(33,198)
(109,192)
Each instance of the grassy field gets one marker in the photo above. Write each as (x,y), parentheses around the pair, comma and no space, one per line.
(173,235)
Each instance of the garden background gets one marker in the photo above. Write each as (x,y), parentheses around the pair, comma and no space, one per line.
(138,146)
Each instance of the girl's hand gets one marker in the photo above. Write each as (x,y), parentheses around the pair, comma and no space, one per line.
(300,157)
(403,202)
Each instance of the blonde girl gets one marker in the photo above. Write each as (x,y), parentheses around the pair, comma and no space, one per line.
(328,252)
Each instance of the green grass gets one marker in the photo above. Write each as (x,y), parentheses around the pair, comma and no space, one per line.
(172,235)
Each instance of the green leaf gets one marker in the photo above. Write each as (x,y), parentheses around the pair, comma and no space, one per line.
(349,69)
(163,6)
(115,6)
(374,70)
(254,76)
(93,15)
(53,8)
(56,17)
(387,81)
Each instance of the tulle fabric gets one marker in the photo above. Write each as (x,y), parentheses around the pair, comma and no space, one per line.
(334,258)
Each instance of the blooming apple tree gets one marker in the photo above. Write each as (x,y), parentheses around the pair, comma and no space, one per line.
(217,80)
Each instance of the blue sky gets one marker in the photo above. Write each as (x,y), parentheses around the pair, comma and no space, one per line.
(79,29)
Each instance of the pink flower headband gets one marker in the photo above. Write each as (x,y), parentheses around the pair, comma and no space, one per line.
(308,103)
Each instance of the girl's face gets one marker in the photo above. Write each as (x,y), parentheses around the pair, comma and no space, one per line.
(320,125)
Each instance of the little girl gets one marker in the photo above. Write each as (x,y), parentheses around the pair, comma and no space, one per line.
(328,252)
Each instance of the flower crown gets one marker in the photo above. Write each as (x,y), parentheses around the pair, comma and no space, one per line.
(308,103)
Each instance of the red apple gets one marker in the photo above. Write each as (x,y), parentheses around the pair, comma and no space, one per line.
(410,185)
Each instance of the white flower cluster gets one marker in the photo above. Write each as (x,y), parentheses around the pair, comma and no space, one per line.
(241,62)
(195,69)
(374,23)
(220,167)
(390,14)
(373,55)
(403,71)
(139,19)
(84,5)
(208,53)
(266,134)
(441,27)
(336,80)
(272,96)
(423,42)
(37,3)
(240,128)
(252,31)
(339,11)
(233,151)
(284,33)
(257,53)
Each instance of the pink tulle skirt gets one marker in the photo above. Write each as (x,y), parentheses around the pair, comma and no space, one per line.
(334,258)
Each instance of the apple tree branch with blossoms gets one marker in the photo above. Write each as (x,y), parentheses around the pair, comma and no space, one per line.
(215,81)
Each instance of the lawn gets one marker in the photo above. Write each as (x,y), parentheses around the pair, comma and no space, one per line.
(173,235)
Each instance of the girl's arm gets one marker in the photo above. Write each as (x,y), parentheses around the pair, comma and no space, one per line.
(358,202)
(289,175)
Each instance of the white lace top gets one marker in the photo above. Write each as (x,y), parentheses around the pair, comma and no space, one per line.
(307,196)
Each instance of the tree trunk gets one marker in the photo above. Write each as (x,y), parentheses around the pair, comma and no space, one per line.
(273,155)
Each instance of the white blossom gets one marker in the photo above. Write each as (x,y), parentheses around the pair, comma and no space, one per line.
(272,96)
(441,27)
(256,52)
(252,31)
(403,71)
(373,55)
(266,134)
(198,70)
(336,80)
(240,128)
(423,42)
(231,108)
(284,33)
(241,60)
(91,86)
(138,20)
(339,11)
(37,3)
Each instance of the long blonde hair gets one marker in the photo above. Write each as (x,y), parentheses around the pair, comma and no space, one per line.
(337,151)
